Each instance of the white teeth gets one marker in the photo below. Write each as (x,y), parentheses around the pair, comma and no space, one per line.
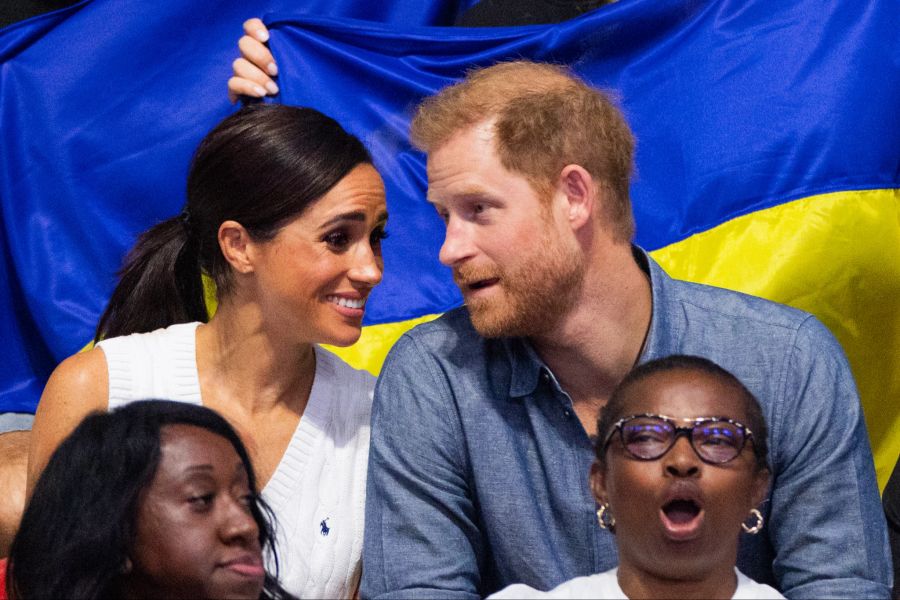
(347,302)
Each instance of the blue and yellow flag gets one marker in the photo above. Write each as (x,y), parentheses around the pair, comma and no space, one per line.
(768,155)
(768,158)
(101,107)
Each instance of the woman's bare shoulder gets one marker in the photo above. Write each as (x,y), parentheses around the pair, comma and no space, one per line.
(77,387)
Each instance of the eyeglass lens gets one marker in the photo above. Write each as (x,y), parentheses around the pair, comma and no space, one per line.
(714,441)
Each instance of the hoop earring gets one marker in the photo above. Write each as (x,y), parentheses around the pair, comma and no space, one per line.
(754,529)
(605,518)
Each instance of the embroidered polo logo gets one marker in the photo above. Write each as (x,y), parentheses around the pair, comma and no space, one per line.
(324,529)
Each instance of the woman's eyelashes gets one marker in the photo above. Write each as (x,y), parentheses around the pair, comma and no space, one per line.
(201,502)
(378,235)
(337,240)
(340,239)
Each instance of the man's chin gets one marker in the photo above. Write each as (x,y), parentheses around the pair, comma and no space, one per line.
(492,323)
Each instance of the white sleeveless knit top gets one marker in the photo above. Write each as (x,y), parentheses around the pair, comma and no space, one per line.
(318,490)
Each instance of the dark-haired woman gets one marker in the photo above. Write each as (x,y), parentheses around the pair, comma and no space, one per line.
(154,500)
(680,469)
(286,213)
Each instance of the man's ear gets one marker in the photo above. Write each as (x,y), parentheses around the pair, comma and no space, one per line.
(598,482)
(580,191)
(235,243)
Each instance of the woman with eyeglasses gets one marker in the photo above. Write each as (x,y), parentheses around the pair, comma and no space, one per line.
(679,472)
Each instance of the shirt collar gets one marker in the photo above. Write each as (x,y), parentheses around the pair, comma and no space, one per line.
(665,326)
(526,366)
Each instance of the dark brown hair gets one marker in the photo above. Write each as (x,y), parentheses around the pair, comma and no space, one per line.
(80,524)
(262,166)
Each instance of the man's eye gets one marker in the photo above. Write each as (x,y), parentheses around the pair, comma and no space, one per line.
(478,208)
(337,239)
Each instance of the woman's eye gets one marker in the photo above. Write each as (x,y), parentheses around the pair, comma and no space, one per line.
(718,441)
(377,236)
(201,501)
(337,239)
(247,500)
(645,438)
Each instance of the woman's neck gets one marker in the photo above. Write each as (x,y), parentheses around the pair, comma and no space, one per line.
(241,360)
(720,582)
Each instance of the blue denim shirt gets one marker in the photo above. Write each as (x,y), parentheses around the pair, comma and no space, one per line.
(478,470)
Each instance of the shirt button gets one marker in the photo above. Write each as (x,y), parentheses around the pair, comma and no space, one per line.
(568,413)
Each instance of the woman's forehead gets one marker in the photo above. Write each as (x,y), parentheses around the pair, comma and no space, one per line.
(684,393)
(183,447)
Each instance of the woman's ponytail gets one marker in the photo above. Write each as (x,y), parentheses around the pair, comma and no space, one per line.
(159,284)
(261,167)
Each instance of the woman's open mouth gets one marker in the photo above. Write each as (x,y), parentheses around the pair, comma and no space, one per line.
(681,518)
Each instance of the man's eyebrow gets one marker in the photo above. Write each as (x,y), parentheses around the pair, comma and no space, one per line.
(467,193)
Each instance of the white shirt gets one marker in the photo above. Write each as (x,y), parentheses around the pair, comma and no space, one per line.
(318,489)
(606,585)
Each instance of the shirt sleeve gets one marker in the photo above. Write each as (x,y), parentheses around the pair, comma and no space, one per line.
(826,522)
(421,534)
(891,501)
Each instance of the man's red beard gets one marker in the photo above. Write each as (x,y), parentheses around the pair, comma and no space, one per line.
(534,293)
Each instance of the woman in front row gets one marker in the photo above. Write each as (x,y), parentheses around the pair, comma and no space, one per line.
(154,500)
(286,214)
(680,469)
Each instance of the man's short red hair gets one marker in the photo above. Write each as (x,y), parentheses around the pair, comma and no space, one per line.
(545,118)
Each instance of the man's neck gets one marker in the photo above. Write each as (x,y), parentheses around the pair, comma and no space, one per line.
(601,338)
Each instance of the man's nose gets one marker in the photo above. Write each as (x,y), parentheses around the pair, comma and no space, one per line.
(457,245)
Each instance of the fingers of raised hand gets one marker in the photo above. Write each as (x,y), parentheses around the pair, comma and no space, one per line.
(256,52)
(248,80)
(254,70)
(256,29)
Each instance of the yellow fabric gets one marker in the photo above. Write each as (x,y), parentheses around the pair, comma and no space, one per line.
(367,353)
(835,255)
(373,345)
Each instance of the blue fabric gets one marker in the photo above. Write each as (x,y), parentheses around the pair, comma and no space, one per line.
(737,105)
(101,107)
(478,465)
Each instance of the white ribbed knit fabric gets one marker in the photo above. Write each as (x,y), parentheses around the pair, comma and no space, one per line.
(318,489)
